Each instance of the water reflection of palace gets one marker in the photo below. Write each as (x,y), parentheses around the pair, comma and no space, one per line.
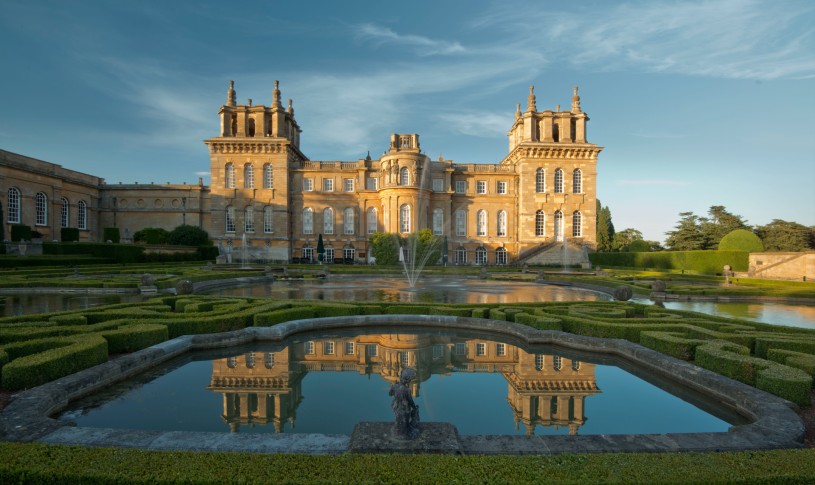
(265,387)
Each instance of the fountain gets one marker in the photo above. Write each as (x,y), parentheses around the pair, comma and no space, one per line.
(244,253)
(415,251)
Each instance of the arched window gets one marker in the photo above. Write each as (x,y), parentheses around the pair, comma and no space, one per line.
(480,256)
(248,176)
(481,223)
(557,362)
(268,176)
(229,176)
(577,224)
(308,221)
(404,218)
(461,223)
(558,181)
(328,221)
(575,365)
(348,221)
(404,176)
(555,132)
(577,181)
(251,127)
(268,219)
(249,219)
(65,213)
(14,205)
(230,219)
(502,223)
(438,221)
(539,361)
(42,210)
(82,215)
(558,226)
(501,256)
(540,181)
(372,220)
(540,224)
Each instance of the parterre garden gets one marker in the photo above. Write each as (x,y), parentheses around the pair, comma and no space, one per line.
(35,349)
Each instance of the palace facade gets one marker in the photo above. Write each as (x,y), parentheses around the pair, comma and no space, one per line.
(267,195)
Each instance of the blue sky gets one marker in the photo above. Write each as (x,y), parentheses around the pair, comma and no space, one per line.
(696,103)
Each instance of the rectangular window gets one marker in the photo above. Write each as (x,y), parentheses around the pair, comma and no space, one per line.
(249,220)
(329,255)
(501,350)
(438,351)
(230,219)
(438,185)
(349,348)
(268,220)
(348,253)
(502,188)
(308,185)
(371,350)
(328,348)
(328,185)
(461,256)
(309,347)
(308,254)
(461,186)
(481,187)
(461,348)
(370,183)
(461,223)
(480,349)
(348,185)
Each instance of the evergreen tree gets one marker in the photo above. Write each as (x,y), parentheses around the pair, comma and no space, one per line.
(605,228)
(688,235)
(780,235)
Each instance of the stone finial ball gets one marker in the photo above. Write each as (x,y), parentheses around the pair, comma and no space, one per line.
(657,285)
(623,293)
(148,280)
(727,268)
(183,287)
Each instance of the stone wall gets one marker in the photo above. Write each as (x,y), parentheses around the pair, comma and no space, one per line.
(783,266)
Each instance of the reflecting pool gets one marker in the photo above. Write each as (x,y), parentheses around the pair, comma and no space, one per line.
(326,383)
(427,290)
(802,316)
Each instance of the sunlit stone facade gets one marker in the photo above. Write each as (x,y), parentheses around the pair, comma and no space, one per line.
(541,196)
(265,193)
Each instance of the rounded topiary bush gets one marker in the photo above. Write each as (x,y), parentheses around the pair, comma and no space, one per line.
(741,240)
(186,235)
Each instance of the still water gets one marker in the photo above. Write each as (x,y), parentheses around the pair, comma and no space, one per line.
(428,290)
(17,304)
(328,383)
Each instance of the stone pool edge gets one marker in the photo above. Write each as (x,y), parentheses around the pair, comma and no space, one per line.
(773,421)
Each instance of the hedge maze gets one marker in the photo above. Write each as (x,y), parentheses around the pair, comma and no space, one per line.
(35,349)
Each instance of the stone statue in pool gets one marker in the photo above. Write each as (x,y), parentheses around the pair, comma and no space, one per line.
(404,409)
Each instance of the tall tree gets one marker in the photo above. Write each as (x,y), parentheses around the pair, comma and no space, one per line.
(780,235)
(624,238)
(605,228)
(688,234)
(718,224)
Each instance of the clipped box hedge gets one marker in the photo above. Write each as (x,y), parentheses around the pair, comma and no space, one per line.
(131,338)
(67,356)
(268,319)
(707,262)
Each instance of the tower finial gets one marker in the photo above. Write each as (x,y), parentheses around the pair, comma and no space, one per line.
(531,100)
(575,101)
(230,95)
(276,95)
(290,109)
(517,111)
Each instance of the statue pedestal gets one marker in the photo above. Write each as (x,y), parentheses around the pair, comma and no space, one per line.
(378,437)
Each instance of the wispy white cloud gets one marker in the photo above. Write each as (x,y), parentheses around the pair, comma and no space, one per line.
(424,45)
(740,39)
(483,124)
(652,182)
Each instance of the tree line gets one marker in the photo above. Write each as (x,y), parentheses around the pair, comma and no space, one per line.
(693,232)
